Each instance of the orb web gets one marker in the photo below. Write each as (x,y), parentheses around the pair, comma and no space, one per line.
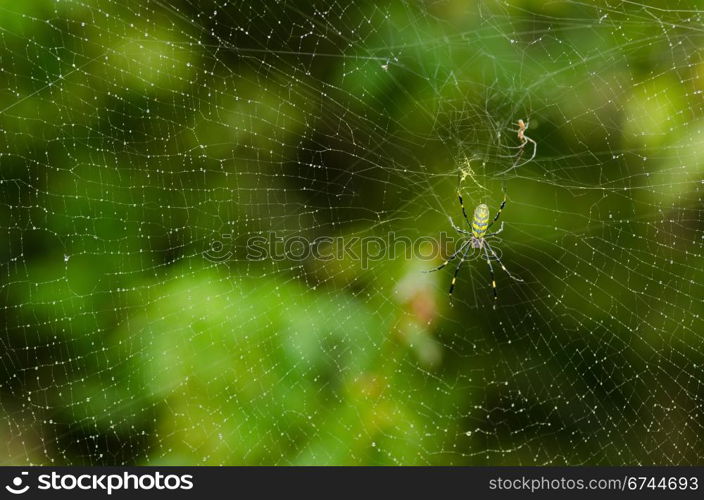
(143,145)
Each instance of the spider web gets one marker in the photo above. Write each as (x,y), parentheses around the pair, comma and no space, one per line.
(136,134)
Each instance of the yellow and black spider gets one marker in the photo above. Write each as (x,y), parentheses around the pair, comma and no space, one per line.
(477,239)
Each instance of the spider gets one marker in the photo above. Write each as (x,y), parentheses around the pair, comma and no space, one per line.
(478,239)
(524,139)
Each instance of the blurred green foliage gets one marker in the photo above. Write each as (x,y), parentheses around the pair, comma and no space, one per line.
(134,134)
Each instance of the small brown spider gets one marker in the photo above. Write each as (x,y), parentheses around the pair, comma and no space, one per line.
(521,134)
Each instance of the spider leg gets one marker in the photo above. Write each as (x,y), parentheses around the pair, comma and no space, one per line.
(450,258)
(535,150)
(457,270)
(501,263)
(457,228)
(495,232)
(491,271)
(518,156)
(498,214)
(459,197)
